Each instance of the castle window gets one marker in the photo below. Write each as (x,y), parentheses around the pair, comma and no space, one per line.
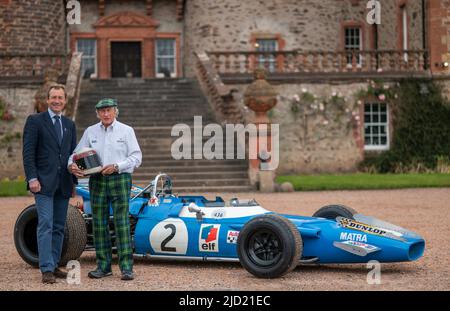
(376,126)
(89,58)
(353,42)
(267,45)
(166,58)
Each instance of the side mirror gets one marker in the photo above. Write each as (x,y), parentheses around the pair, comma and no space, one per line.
(193,208)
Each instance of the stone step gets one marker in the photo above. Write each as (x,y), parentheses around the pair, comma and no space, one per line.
(152,108)
(203,190)
(167,115)
(196,163)
(166,152)
(168,106)
(147,98)
(195,175)
(198,183)
(150,169)
(84,123)
(138,82)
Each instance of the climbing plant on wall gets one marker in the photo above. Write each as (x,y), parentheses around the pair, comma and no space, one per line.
(421,121)
(5,113)
(335,110)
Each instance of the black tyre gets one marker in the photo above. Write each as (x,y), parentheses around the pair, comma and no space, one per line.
(269,246)
(334,211)
(75,236)
(25,236)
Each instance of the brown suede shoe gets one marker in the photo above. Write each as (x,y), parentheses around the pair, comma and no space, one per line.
(58,273)
(48,278)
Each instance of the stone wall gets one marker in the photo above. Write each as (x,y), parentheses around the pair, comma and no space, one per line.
(32,36)
(20,101)
(163,11)
(302,24)
(439,35)
(325,138)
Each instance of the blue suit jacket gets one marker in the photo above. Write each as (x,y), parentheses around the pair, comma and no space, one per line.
(44,158)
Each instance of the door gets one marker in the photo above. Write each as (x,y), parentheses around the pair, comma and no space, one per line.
(126,59)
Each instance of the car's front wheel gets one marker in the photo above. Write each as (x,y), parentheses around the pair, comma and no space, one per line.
(269,246)
(334,211)
(25,236)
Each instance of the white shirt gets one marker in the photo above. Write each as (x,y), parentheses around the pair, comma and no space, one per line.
(116,144)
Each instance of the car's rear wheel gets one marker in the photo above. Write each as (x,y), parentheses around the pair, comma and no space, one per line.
(269,246)
(25,236)
(334,211)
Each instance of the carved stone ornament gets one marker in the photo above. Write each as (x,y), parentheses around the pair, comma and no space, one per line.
(128,19)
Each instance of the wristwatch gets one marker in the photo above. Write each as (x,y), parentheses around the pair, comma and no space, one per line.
(116,167)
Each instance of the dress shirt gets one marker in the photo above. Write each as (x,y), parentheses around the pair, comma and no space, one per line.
(116,144)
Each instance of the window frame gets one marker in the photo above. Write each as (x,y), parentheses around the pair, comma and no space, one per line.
(360,47)
(175,58)
(281,43)
(95,73)
(271,59)
(386,124)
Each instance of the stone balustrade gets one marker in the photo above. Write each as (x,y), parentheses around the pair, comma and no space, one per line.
(351,61)
(219,95)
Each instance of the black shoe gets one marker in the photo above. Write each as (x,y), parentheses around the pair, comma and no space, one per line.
(58,273)
(99,273)
(127,276)
(48,278)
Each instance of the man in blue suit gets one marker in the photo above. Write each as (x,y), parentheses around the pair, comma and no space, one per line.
(49,139)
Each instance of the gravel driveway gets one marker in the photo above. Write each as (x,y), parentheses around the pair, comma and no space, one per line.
(426,211)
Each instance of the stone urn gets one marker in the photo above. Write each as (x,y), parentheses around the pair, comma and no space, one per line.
(260,96)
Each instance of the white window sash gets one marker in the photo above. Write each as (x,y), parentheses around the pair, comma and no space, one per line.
(358,48)
(174,57)
(379,147)
(270,60)
(93,56)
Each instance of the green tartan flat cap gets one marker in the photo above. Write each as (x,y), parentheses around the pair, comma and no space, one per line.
(106,102)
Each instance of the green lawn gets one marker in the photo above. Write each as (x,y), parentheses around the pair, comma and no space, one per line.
(365,181)
(12,188)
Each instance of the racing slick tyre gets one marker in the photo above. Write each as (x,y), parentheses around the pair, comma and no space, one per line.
(25,236)
(269,246)
(334,211)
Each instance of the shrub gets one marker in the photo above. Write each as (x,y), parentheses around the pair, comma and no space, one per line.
(421,138)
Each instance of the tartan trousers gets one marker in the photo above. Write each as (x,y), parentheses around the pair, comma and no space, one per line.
(114,190)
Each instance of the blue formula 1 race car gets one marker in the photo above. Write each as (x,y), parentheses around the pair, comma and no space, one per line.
(267,244)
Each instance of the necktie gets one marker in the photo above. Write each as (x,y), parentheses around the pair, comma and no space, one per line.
(58,128)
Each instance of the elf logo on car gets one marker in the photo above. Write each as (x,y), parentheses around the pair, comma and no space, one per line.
(356,237)
(209,238)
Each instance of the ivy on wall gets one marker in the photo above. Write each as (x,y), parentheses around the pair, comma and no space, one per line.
(421,122)
(5,114)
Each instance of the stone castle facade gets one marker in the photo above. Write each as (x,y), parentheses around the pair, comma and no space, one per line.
(162,38)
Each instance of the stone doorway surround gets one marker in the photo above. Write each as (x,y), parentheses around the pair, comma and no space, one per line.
(125,26)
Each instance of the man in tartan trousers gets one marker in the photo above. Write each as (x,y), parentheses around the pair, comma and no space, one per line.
(118,149)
